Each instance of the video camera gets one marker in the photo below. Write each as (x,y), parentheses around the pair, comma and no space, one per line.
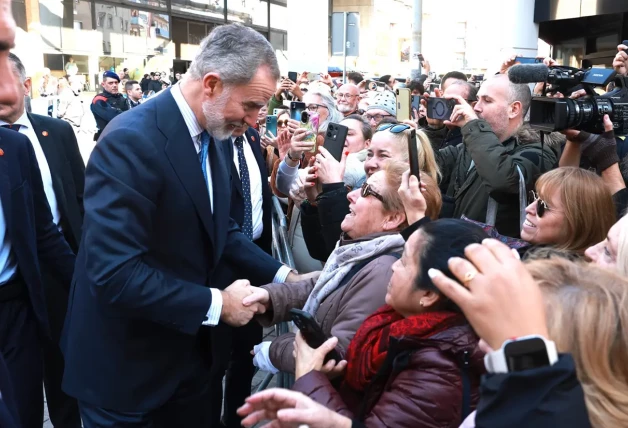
(556,114)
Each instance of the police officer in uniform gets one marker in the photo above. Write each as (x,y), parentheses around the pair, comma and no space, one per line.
(108,104)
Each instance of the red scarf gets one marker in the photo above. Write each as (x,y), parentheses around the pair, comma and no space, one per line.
(367,351)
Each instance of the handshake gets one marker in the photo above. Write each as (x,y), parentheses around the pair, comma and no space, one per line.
(241,302)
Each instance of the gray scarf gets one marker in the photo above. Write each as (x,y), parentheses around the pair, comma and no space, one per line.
(342,259)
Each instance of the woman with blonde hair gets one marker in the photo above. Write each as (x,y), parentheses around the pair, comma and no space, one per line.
(571,210)
(587,315)
(612,251)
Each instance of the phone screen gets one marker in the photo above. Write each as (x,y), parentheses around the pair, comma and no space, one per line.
(292,75)
(296,108)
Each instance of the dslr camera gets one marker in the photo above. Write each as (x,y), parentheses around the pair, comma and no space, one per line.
(586,113)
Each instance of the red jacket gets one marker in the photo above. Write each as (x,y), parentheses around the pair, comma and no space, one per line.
(420,385)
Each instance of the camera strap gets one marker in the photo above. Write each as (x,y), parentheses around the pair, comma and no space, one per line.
(491,208)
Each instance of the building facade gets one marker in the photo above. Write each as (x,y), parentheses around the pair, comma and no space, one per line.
(141,35)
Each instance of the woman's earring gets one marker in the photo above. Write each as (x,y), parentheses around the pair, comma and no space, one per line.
(421,303)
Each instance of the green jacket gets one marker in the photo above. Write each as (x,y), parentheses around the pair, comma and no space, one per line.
(494,173)
(273,104)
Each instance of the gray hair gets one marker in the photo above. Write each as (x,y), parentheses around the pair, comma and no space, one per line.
(328,101)
(18,67)
(235,53)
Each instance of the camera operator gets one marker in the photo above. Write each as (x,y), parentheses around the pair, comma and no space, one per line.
(620,63)
(442,136)
(599,152)
(485,164)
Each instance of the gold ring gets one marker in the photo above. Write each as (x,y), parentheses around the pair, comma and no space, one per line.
(468,277)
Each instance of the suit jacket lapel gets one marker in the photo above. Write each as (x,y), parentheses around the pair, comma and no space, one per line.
(5,185)
(51,147)
(182,154)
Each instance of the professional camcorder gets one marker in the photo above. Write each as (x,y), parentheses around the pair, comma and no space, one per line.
(586,113)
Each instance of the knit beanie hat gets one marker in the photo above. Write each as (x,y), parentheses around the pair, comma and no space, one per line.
(384,101)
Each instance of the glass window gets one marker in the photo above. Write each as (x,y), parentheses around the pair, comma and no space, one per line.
(278,17)
(207,8)
(279,41)
(248,12)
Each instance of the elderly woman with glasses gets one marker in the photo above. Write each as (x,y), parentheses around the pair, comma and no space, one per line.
(352,284)
(325,209)
(570,211)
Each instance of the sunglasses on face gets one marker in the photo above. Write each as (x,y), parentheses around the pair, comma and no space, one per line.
(282,123)
(541,205)
(366,190)
(394,128)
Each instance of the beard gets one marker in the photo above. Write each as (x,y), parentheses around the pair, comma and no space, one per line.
(344,108)
(215,119)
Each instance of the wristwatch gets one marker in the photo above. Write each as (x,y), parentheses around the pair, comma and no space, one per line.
(523,353)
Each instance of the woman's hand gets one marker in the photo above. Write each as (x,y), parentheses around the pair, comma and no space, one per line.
(259,295)
(283,144)
(327,168)
(268,139)
(297,144)
(499,297)
(312,186)
(261,357)
(411,194)
(288,409)
(308,359)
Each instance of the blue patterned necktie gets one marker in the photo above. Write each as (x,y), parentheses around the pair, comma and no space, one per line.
(202,155)
(247,226)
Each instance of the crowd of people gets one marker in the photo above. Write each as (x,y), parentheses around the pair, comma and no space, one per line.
(487,288)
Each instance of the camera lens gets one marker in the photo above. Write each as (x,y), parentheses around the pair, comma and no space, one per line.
(305,117)
(372,86)
(329,134)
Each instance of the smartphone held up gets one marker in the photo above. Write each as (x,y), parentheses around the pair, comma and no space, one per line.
(310,122)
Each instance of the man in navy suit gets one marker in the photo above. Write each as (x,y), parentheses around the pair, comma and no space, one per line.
(157,223)
(251,208)
(28,238)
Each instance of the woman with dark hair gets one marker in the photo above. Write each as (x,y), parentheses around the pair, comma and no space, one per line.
(415,362)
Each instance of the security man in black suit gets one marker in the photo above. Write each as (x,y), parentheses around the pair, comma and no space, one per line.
(28,239)
(108,104)
(63,173)
(251,208)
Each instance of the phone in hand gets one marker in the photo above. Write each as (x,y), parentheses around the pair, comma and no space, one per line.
(296,108)
(310,121)
(413,155)
(292,75)
(271,125)
(625,43)
(312,332)
(335,139)
(528,60)
(440,108)
(403,103)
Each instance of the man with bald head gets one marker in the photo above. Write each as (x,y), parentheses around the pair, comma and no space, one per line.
(347,99)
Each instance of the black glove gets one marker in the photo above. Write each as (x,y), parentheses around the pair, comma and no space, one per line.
(599,149)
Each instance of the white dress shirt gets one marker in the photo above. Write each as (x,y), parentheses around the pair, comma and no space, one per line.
(26,128)
(255,180)
(195,129)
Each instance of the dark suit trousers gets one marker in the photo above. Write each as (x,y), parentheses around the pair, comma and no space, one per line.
(232,356)
(187,408)
(21,350)
(62,408)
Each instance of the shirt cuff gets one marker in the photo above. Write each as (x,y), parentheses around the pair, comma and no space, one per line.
(215,309)
(281,274)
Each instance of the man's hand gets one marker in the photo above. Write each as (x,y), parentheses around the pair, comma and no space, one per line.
(426,66)
(295,277)
(499,297)
(433,123)
(326,79)
(462,114)
(303,78)
(259,295)
(508,62)
(620,62)
(411,194)
(328,169)
(234,312)
(288,409)
(308,359)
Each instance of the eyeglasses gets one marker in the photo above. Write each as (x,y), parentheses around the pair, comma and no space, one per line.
(541,205)
(376,117)
(394,128)
(282,123)
(345,96)
(367,190)
(314,107)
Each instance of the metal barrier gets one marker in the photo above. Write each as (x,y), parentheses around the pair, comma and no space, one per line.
(283,253)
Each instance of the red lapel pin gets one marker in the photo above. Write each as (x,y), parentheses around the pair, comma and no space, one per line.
(44,133)
(1,152)
(252,138)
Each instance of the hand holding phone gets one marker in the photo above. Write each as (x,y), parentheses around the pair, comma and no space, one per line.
(335,139)
(312,332)
(440,108)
